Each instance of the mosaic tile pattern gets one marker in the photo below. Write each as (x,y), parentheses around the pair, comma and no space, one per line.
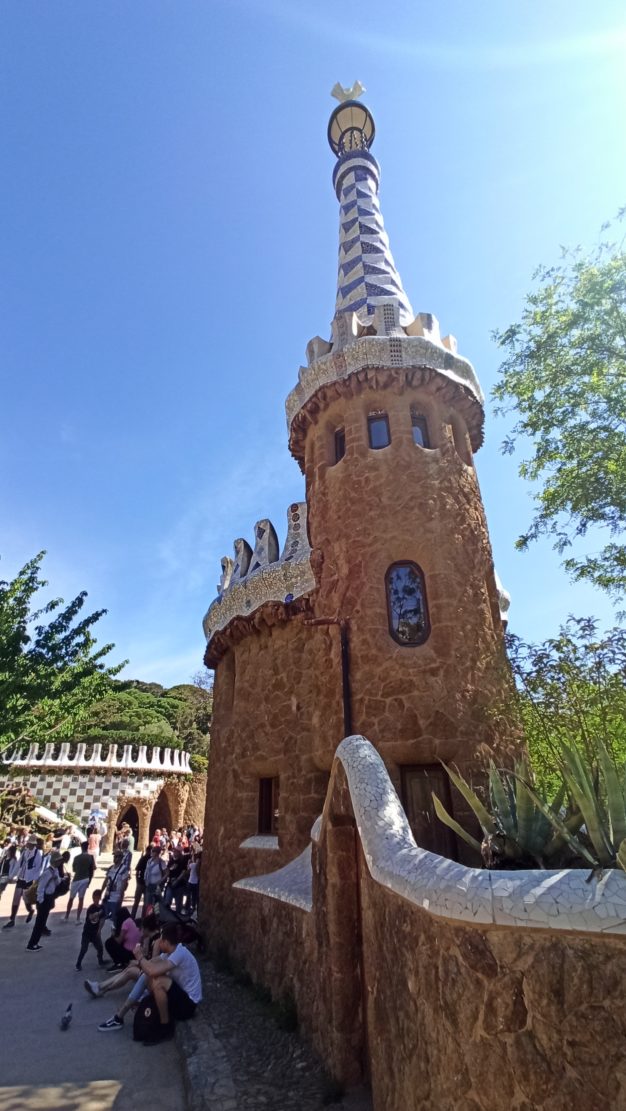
(82,794)
(504,598)
(260,841)
(367,272)
(268,577)
(380,351)
(291,884)
(564,900)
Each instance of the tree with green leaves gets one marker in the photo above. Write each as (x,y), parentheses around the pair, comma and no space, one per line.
(51,671)
(570,690)
(564,378)
(137,713)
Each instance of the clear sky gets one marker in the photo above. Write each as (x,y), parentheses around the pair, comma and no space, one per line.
(169,240)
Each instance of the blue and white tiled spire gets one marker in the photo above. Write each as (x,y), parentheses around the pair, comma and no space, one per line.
(367,273)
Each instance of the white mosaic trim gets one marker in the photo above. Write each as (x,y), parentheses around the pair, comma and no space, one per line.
(564,900)
(159,760)
(260,841)
(241,592)
(292,884)
(380,351)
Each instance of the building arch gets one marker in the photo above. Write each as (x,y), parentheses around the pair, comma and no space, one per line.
(161,817)
(130,815)
(126,803)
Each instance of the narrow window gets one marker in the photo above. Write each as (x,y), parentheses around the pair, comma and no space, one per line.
(420,429)
(268,805)
(340,444)
(406,604)
(378,430)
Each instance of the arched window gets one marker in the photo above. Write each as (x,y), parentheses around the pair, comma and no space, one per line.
(339,444)
(378,430)
(419,425)
(409,624)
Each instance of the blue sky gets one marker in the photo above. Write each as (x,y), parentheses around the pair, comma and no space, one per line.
(169,235)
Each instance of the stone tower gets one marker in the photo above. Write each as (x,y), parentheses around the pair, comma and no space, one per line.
(382,615)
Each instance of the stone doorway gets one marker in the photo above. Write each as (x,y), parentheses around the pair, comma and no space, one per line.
(131,817)
(162,817)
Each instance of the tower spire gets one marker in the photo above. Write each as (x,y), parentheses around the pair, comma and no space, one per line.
(367,274)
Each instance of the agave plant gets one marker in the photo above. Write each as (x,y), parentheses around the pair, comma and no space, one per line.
(524,824)
(520,824)
(599,796)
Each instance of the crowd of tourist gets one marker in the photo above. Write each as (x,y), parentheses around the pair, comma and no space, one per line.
(146,943)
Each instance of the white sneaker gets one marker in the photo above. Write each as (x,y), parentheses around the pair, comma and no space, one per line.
(93,987)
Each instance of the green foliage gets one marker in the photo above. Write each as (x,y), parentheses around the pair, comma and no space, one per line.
(570,690)
(147,714)
(199,764)
(570,702)
(564,378)
(50,670)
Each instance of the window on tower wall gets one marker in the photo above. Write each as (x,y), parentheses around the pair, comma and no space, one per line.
(269,794)
(339,444)
(378,430)
(406,604)
(420,428)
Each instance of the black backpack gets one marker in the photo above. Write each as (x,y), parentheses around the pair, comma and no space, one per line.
(146,1020)
(63,887)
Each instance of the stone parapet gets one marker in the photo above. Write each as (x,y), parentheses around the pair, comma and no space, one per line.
(257,576)
(395,353)
(153,759)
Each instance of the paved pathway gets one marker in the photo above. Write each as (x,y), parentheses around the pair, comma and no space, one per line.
(45,1069)
(237,1057)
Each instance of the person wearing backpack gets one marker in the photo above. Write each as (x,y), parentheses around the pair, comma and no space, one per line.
(47,887)
(30,866)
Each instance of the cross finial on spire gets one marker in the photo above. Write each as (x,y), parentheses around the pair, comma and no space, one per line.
(341,94)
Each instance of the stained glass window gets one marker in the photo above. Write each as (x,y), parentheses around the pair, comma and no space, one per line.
(406,604)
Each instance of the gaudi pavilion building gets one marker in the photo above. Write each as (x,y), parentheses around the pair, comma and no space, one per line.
(382,614)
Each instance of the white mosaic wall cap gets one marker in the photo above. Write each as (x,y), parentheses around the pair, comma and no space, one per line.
(153,758)
(565,900)
(261,575)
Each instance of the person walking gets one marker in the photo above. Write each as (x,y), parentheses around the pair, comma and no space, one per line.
(93,842)
(30,867)
(140,886)
(47,886)
(83,868)
(9,866)
(94,919)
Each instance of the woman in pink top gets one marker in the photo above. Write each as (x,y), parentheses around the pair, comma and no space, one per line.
(122,941)
(93,842)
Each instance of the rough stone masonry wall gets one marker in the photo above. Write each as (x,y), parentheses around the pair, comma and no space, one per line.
(276,712)
(375,507)
(468,1019)
(440,1015)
